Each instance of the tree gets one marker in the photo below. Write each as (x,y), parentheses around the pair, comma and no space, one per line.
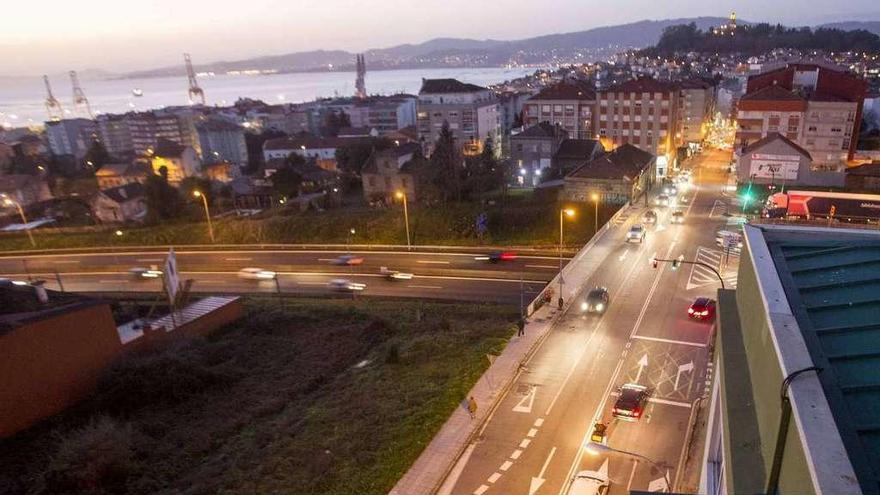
(334,121)
(254,143)
(446,164)
(483,173)
(353,157)
(96,156)
(295,160)
(286,182)
(163,201)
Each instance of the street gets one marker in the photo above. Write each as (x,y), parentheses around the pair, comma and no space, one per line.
(533,443)
(445,275)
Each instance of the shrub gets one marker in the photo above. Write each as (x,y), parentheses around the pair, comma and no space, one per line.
(393,355)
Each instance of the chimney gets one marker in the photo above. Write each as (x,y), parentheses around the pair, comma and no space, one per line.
(40,291)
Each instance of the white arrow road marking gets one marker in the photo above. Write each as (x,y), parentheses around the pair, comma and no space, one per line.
(525,405)
(623,256)
(683,368)
(642,364)
(659,485)
(536,483)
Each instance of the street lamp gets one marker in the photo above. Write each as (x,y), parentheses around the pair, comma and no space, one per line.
(199,194)
(402,195)
(562,214)
(595,198)
(595,448)
(11,202)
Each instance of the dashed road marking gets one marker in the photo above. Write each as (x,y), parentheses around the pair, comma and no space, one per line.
(506,465)
(494,477)
(525,443)
(481,490)
(516,453)
(532,432)
(669,341)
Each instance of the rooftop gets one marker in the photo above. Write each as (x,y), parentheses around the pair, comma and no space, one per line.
(566,91)
(169,149)
(641,85)
(626,162)
(124,193)
(775,136)
(218,125)
(432,86)
(19,305)
(541,130)
(866,169)
(578,148)
(774,93)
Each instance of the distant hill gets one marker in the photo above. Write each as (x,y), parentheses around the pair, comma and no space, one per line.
(580,46)
(872,26)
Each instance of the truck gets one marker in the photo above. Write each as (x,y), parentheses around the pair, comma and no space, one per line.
(847,207)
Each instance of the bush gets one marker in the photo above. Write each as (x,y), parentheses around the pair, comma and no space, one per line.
(393,355)
(97,458)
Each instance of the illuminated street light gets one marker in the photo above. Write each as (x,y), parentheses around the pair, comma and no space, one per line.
(595,198)
(11,202)
(402,195)
(199,194)
(118,233)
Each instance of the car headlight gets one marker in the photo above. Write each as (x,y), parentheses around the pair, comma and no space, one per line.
(600,307)
(584,306)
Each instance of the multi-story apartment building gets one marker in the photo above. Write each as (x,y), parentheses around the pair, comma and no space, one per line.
(175,125)
(222,141)
(115,135)
(71,137)
(470,110)
(571,105)
(817,107)
(643,112)
(390,113)
(532,150)
(697,104)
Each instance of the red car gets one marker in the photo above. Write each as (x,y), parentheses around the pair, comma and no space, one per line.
(702,309)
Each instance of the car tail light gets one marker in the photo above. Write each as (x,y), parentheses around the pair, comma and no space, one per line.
(637,412)
(691,311)
(508,256)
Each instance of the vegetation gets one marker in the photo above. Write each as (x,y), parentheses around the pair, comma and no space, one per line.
(334,122)
(760,38)
(353,157)
(304,396)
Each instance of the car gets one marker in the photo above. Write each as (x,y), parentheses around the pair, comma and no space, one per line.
(256,274)
(631,402)
(677,217)
(589,483)
(348,260)
(345,285)
(649,217)
(497,256)
(596,301)
(141,272)
(702,308)
(670,189)
(662,200)
(394,274)
(636,233)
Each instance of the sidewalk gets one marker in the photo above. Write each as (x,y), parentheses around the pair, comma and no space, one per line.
(430,470)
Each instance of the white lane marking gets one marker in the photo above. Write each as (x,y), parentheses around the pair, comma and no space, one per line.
(311,283)
(150,260)
(548,267)
(623,256)
(110,281)
(455,474)
(632,474)
(481,490)
(238,259)
(539,422)
(526,403)
(525,443)
(643,363)
(683,368)
(574,365)
(494,477)
(659,485)
(670,341)
(537,481)
(67,262)
(209,282)
(506,465)
(424,287)
(516,453)
(532,432)
(424,262)
(326,259)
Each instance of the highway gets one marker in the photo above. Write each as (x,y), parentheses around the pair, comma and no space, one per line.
(534,441)
(446,275)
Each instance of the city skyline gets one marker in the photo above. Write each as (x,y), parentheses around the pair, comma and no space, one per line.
(161,30)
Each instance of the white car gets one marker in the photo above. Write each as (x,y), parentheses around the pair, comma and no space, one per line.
(345,285)
(140,272)
(589,483)
(636,233)
(256,274)
(394,274)
(662,200)
(677,217)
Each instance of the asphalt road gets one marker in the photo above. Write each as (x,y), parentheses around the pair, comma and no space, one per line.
(457,276)
(533,443)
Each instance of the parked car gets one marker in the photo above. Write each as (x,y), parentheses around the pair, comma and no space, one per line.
(345,285)
(256,274)
(596,301)
(631,402)
(703,308)
(636,233)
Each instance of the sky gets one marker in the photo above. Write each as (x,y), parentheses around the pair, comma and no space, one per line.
(58,35)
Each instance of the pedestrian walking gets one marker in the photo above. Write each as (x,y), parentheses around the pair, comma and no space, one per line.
(521,327)
(472,407)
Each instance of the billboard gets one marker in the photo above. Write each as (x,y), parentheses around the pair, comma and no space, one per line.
(774,167)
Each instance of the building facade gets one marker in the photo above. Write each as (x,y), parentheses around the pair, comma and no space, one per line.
(570,105)
(618,177)
(386,173)
(180,161)
(147,128)
(71,137)
(697,104)
(115,134)
(222,141)
(532,150)
(120,204)
(470,111)
(778,161)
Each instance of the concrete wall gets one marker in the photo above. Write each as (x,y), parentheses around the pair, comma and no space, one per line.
(49,365)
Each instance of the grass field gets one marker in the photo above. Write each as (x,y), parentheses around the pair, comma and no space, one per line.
(304,396)
(521,221)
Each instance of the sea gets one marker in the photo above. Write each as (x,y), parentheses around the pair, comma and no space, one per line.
(22,100)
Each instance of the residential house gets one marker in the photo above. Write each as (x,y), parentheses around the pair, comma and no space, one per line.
(532,150)
(119,174)
(572,153)
(471,111)
(618,177)
(250,193)
(322,150)
(569,104)
(180,161)
(120,204)
(385,173)
(777,161)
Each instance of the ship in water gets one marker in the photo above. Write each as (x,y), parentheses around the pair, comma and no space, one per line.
(137,92)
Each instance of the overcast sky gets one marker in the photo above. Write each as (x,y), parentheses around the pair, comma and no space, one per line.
(56,35)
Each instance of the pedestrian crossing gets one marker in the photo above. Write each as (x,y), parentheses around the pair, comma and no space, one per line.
(702,276)
(719,209)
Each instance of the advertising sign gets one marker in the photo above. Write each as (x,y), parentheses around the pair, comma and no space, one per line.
(775,167)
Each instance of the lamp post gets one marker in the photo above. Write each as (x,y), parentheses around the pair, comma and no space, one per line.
(562,214)
(595,448)
(402,195)
(11,202)
(595,198)
(199,194)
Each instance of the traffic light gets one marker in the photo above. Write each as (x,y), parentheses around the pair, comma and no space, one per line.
(675,264)
(833,210)
(654,262)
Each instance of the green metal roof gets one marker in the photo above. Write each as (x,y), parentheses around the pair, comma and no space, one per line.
(832,283)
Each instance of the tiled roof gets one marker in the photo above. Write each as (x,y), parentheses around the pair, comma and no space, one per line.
(641,85)
(395,151)
(125,193)
(832,284)
(775,136)
(541,130)
(630,154)
(566,91)
(578,148)
(432,86)
(774,93)
(626,162)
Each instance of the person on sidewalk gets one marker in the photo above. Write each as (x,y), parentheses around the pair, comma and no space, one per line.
(521,327)
(472,407)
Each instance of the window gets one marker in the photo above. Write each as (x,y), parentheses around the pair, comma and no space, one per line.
(602,131)
(519,147)
(811,142)
(812,128)
(545,109)
(453,115)
(836,130)
(545,147)
(557,108)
